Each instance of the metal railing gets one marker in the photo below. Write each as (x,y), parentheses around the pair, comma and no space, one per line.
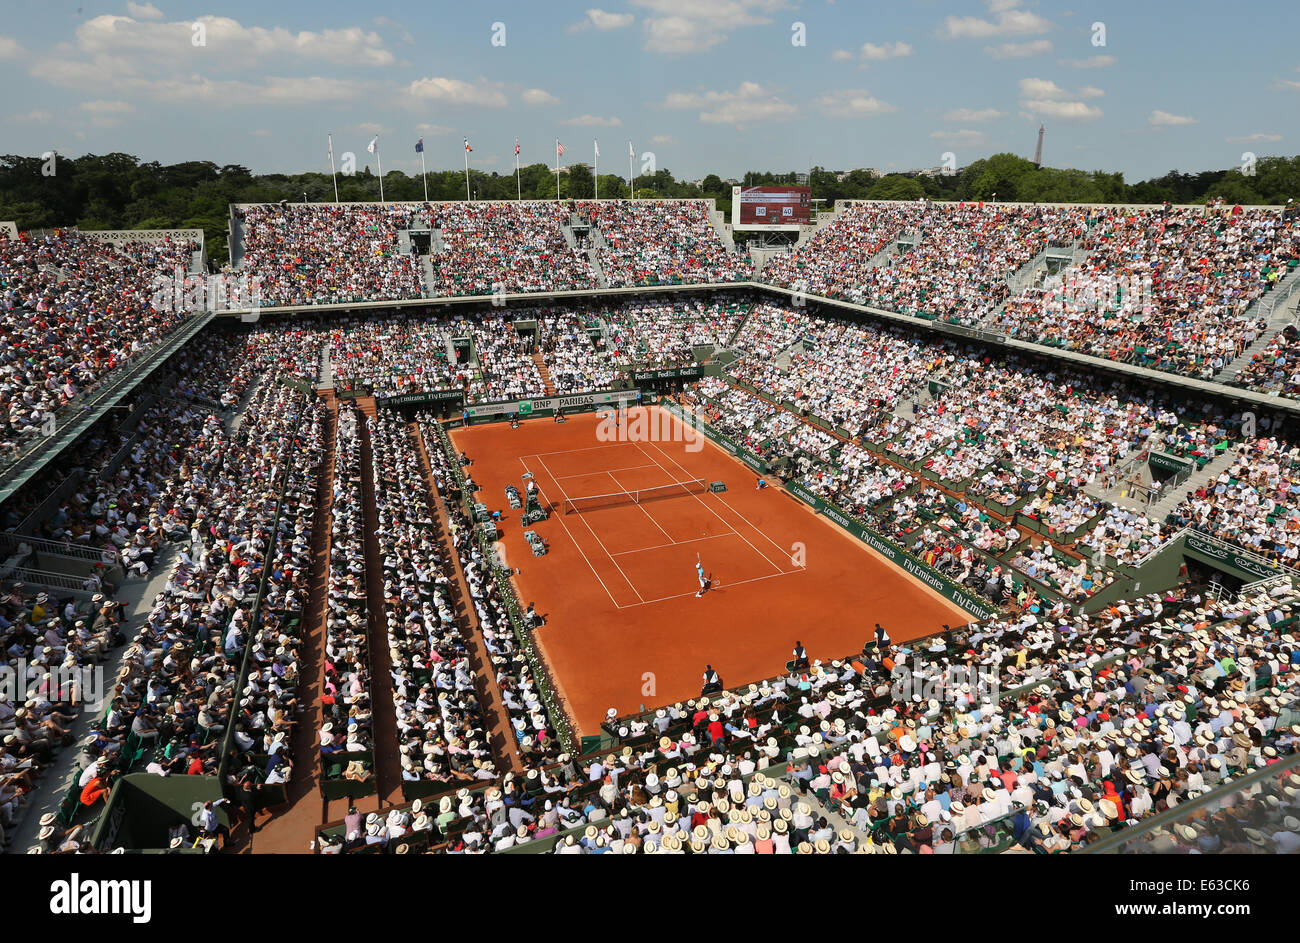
(12,542)
(77,415)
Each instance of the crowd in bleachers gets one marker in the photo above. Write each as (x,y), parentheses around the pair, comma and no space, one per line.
(324,253)
(521,696)
(73,309)
(661,242)
(1276,368)
(505,248)
(176,692)
(348,722)
(1168,289)
(956,268)
(441,725)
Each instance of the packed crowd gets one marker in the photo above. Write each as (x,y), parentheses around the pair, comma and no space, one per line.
(505,248)
(347,725)
(1168,289)
(72,310)
(491,598)
(661,242)
(441,726)
(324,253)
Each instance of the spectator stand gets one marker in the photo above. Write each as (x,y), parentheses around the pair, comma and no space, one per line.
(554,709)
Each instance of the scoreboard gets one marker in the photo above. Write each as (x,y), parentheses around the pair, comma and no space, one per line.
(771,208)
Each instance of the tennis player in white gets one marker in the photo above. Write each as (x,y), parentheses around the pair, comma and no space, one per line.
(699,572)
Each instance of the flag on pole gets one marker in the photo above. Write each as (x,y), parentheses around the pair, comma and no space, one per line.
(559,149)
(631,151)
(373,145)
(419,146)
(467,147)
(597,143)
(516,147)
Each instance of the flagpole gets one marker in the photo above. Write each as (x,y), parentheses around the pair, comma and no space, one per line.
(519,191)
(557,170)
(467,173)
(631,181)
(333,176)
(596,175)
(380,161)
(425,174)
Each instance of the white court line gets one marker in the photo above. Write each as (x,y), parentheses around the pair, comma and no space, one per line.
(711,511)
(588,448)
(676,543)
(571,539)
(606,471)
(752,579)
(618,484)
(782,550)
(593,533)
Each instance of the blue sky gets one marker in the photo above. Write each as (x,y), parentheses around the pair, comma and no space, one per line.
(707,85)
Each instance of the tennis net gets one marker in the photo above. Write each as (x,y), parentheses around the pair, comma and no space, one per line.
(592,502)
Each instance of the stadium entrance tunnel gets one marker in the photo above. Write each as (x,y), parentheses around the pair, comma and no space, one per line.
(143,808)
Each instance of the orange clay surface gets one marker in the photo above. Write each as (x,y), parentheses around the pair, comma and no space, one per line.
(617,588)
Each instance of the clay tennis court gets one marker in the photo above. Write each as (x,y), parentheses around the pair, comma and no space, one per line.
(624,627)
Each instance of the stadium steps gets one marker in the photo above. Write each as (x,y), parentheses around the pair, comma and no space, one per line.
(500,732)
(388,770)
(1172,496)
(325,378)
(1280,306)
(545,373)
(570,239)
(593,259)
(427,263)
(236,241)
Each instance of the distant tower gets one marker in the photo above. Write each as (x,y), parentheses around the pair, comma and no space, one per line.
(1038,151)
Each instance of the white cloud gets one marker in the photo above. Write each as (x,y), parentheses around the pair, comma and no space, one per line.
(537,96)
(1064,110)
(33,116)
(1163,119)
(880,53)
(601,20)
(663,139)
(853,103)
(9,48)
(456,92)
(1009,22)
(432,129)
(966,136)
(102,107)
(1092,62)
(371,128)
(229,44)
(689,26)
(842,55)
(1287,84)
(1034,47)
(966,115)
(144,11)
(1045,88)
(592,121)
(1260,138)
(105,114)
(749,104)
